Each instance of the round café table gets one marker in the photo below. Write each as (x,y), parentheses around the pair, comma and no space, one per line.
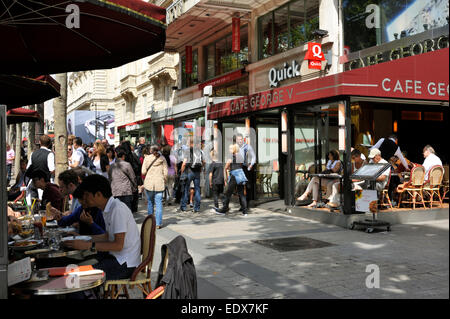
(58,285)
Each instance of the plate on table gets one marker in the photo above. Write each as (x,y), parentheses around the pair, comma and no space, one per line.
(85,238)
(51,224)
(26,244)
(67,229)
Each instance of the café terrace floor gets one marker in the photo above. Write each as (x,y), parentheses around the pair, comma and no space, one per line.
(392,216)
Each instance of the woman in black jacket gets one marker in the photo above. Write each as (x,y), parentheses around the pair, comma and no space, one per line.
(132,158)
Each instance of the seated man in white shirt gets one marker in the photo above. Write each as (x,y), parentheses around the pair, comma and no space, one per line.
(383,179)
(431,160)
(121,240)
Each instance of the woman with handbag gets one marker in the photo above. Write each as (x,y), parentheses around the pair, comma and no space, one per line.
(122,178)
(155,170)
(235,178)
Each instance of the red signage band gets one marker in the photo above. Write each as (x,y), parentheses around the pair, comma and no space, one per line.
(222,80)
(236,35)
(134,123)
(188,65)
(423,77)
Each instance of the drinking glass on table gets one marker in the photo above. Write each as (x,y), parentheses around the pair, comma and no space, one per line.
(43,215)
(38,223)
(54,240)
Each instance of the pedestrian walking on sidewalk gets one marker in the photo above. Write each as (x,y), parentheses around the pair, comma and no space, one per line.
(235,178)
(216,179)
(192,166)
(154,168)
(122,179)
(10,157)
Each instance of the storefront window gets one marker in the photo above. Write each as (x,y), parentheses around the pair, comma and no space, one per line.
(287,27)
(268,169)
(371,23)
(188,80)
(236,89)
(220,59)
(315,135)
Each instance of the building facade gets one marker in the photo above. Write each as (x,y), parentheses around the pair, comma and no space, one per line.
(295,77)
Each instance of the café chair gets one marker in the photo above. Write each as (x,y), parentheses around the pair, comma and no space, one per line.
(159,291)
(413,188)
(385,201)
(445,183)
(141,276)
(432,187)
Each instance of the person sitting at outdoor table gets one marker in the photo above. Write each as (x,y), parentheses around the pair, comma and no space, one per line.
(121,241)
(51,194)
(382,180)
(431,159)
(334,166)
(358,161)
(21,181)
(90,220)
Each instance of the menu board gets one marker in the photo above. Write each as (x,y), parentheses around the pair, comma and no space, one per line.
(363,200)
(19,271)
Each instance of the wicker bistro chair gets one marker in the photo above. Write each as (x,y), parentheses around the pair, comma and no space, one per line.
(445,183)
(385,201)
(141,276)
(433,185)
(159,291)
(414,187)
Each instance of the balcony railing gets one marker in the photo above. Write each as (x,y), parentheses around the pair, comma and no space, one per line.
(174,11)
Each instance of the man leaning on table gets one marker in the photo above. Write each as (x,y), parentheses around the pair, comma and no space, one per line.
(121,240)
(89,219)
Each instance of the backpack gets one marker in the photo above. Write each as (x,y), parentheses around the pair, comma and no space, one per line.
(196,159)
(87,162)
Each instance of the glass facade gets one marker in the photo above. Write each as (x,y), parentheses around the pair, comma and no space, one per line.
(235,89)
(287,27)
(188,80)
(220,59)
(368,23)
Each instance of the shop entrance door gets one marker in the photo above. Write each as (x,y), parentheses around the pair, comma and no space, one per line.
(268,182)
(313,138)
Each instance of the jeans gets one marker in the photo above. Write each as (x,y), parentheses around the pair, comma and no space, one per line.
(113,270)
(232,185)
(192,176)
(128,200)
(155,199)
(217,191)
(8,172)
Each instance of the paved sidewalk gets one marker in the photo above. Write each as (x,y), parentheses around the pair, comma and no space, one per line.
(412,259)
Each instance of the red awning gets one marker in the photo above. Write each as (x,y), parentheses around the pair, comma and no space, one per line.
(17,91)
(420,77)
(21,115)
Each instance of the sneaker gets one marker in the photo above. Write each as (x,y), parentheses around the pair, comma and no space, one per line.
(221,211)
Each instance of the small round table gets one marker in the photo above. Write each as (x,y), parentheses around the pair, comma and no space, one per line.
(59,285)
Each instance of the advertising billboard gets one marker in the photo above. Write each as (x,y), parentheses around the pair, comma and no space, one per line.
(368,23)
(91,125)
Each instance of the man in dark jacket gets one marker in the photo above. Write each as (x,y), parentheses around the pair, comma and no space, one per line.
(180,278)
